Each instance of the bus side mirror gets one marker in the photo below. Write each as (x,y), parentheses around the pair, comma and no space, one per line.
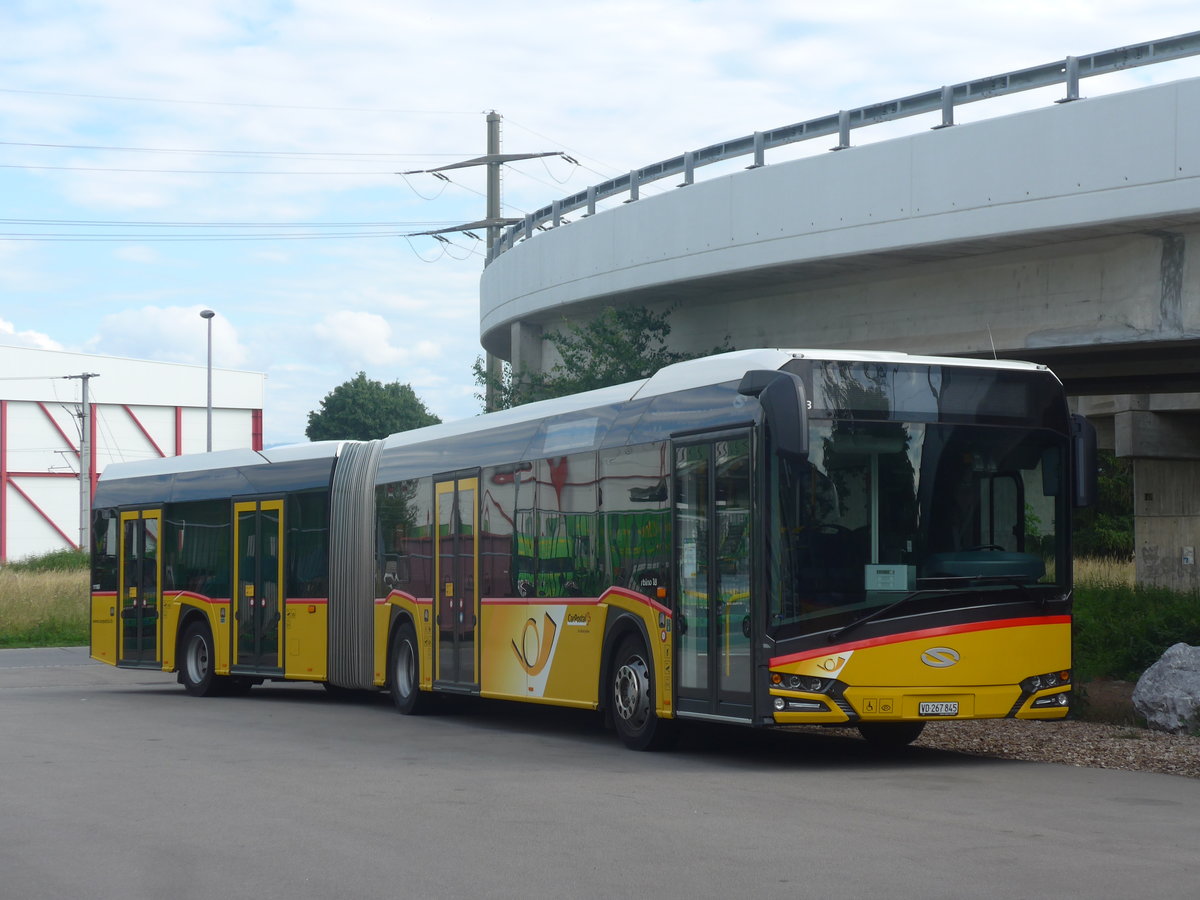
(785,409)
(1083,461)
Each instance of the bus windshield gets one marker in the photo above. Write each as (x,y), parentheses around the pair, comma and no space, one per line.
(882,510)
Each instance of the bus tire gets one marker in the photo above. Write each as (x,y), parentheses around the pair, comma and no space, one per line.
(404,673)
(631,698)
(890,735)
(197,661)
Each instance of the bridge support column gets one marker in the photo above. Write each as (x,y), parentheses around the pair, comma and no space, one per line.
(1165,447)
(1160,433)
(1166,524)
(526,348)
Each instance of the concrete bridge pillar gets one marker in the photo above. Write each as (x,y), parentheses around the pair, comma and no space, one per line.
(1166,525)
(526,345)
(1161,434)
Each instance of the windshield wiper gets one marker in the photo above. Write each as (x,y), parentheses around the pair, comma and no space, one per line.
(1016,582)
(877,613)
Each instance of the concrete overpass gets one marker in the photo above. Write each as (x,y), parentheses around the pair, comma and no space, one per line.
(1068,235)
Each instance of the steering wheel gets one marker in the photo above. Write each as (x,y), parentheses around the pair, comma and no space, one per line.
(984,547)
(831,528)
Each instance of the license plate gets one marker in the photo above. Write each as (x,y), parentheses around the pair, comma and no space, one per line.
(940,708)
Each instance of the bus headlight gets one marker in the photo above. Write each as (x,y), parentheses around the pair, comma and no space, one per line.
(800,683)
(1050,701)
(1036,683)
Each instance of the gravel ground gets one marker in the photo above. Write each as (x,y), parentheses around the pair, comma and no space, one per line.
(1089,744)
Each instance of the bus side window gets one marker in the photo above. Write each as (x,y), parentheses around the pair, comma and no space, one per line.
(497,533)
(634,548)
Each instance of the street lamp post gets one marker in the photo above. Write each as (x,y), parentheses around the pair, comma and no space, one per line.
(207,315)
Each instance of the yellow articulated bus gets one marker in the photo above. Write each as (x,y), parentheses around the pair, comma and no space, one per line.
(765,537)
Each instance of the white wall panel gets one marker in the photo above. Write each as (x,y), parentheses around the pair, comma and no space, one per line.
(152,391)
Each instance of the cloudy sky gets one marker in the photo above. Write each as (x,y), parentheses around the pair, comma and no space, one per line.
(241,155)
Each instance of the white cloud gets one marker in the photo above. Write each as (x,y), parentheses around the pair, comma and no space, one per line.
(10,337)
(360,337)
(172,333)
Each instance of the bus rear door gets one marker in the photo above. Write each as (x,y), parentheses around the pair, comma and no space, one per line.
(140,579)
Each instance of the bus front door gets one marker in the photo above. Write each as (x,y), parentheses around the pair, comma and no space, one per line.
(713,562)
(456,555)
(258,583)
(140,579)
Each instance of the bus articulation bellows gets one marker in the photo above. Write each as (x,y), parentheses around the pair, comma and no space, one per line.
(765,537)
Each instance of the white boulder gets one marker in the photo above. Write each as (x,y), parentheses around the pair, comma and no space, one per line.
(1168,693)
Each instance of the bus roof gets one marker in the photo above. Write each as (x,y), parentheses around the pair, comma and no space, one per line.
(696,373)
(681,376)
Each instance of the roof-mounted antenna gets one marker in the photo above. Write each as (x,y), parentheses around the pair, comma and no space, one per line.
(992,341)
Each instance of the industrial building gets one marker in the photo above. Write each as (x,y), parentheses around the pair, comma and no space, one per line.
(63,414)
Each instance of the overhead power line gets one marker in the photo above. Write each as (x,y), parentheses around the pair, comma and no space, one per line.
(338,155)
(360,109)
(178,238)
(182,171)
(108,223)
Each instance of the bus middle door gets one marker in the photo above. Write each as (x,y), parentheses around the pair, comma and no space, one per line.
(258,583)
(456,598)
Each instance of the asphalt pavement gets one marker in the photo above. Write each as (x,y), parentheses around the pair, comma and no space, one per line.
(117,784)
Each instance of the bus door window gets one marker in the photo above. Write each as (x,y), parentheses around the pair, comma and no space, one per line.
(140,585)
(257,597)
(457,564)
(1001,512)
(713,560)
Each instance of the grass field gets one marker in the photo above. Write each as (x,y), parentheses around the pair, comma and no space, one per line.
(43,608)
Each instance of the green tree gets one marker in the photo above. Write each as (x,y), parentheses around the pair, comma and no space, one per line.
(363,409)
(618,346)
(1106,527)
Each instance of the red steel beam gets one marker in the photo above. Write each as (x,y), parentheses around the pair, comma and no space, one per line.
(142,428)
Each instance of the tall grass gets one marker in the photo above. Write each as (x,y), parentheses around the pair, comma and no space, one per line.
(1100,572)
(1122,629)
(45,607)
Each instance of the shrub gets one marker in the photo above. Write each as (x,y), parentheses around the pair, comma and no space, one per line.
(1120,630)
(55,561)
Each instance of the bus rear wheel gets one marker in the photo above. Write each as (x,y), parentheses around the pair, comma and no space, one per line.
(197,660)
(631,698)
(404,673)
(890,735)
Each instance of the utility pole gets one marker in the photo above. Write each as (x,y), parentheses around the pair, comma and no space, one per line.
(85,461)
(494,160)
(494,366)
(493,180)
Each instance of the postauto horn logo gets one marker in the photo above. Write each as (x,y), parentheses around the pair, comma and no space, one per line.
(940,657)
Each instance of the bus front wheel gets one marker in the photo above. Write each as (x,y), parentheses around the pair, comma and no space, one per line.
(196,661)
(404,673)
(632,699)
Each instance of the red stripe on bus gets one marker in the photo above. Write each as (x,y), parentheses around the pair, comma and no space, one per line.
(923,634)
(640,598)
(190,595)
(541,601)
(383,601)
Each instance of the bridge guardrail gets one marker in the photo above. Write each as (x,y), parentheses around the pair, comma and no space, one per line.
(1066,71)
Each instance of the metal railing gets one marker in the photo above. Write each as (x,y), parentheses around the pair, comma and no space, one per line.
(1063,71)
